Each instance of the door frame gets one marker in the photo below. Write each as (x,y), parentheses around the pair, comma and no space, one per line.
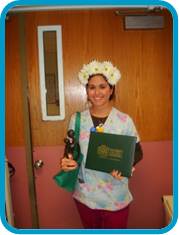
(27,123)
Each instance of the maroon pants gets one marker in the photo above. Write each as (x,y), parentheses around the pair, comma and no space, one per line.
(102,219)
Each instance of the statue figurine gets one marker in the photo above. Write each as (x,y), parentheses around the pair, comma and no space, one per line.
(69,143)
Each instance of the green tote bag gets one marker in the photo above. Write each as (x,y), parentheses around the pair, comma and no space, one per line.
(67,180)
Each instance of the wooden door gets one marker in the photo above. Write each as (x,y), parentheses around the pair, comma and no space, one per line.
(56,208)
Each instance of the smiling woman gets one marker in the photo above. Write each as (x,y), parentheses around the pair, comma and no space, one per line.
(100,203)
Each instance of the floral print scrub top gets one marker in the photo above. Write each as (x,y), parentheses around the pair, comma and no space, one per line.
(95,189)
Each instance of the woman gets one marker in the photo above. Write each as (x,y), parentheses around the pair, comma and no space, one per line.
(102,199)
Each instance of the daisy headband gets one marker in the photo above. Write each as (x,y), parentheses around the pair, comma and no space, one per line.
(106,68)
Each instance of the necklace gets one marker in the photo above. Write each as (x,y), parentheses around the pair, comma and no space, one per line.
(98,124)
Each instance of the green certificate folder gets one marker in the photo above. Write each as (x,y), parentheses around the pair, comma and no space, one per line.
(108,152)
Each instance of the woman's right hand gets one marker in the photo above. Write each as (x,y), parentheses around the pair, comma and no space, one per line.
(68,164)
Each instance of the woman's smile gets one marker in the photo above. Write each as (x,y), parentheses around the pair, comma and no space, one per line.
(98,98)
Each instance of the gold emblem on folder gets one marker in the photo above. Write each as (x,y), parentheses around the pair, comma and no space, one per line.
(104,151)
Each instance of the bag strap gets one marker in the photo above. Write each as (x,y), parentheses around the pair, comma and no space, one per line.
(77,134)
(77,126)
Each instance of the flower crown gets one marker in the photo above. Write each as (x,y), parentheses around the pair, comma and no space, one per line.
(111,73)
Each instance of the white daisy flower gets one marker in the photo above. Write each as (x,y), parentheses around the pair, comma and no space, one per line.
(105,68)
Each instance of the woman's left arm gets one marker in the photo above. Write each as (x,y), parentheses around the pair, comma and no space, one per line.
(138,155)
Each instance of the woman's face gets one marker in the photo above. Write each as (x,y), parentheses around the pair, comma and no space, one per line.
(98,91)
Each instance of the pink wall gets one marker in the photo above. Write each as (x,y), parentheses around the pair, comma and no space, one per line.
(151,180)
(19,187)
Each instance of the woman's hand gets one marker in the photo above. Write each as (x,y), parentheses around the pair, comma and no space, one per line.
(68,164)
(117,175)
(133,169)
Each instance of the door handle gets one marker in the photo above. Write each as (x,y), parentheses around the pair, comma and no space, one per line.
(11,168)
(38,164)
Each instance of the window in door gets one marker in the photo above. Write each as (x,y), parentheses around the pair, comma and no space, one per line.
(51,72)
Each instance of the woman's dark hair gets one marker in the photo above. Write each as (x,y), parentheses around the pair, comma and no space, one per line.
(112,96)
